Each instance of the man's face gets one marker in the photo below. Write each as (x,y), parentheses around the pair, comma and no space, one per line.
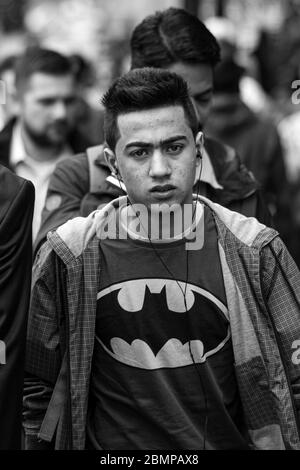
(156,156)
(48,108)
(199,78)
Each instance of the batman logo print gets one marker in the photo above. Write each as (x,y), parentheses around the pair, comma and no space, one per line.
(147,323)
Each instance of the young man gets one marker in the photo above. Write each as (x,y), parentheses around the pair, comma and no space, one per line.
(16,210)
(43,133)
(176,40)
(141,340)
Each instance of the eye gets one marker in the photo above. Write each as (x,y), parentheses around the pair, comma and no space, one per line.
(139,153)
(174,149)
(203,99)
(47,101)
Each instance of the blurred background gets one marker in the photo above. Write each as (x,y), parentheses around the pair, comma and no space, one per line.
(260,37)
(267,33)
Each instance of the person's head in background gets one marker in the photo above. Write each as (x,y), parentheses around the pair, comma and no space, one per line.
(178,41)
(228,72)
(8,100)
(46,94)
(227,78)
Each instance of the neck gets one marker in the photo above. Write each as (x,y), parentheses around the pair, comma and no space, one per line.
(162,222)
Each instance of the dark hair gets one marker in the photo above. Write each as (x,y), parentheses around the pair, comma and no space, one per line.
(36,59)
(143,89)
(170,36)
(227,77)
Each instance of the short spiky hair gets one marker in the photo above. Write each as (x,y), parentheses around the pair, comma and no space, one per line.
(143,89)
(36,59)
(170,36)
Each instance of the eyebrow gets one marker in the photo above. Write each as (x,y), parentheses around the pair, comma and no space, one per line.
(162,142)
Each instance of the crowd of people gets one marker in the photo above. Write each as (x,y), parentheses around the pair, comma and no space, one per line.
(126,338)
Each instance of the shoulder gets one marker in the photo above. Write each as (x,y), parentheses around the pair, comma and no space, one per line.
(71,171)
(248,230)
(76,234)
(74,163)
(16,204)
(13,186)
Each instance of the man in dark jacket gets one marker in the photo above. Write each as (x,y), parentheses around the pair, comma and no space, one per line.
(44,131)
(16,209)
(255,139)
(175,40)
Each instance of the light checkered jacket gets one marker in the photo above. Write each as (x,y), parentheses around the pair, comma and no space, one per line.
(262,285)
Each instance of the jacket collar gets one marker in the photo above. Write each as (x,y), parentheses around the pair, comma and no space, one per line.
(237,181)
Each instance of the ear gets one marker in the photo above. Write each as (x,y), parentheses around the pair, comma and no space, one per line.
(199,147)
(111,159)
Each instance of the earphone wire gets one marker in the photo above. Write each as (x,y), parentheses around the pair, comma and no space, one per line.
(185,288)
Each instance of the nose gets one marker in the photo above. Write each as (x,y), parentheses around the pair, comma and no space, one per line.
(159,166)
(59,110)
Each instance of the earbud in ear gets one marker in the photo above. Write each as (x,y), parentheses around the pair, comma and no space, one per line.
(115,171)
(199,153)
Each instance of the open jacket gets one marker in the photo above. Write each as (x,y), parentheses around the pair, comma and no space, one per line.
(81,183)
(262,287)
(16,209)
(257,142)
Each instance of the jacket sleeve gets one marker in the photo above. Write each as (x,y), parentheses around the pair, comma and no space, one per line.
(44,346)
(280,279)
(15,279)
(67,187)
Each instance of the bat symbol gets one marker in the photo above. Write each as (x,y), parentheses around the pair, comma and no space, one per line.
(144,325)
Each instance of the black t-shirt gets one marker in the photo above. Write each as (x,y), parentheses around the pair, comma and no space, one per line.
(163,368)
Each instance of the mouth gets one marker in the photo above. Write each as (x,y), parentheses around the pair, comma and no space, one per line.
(163,191)
(59,127)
